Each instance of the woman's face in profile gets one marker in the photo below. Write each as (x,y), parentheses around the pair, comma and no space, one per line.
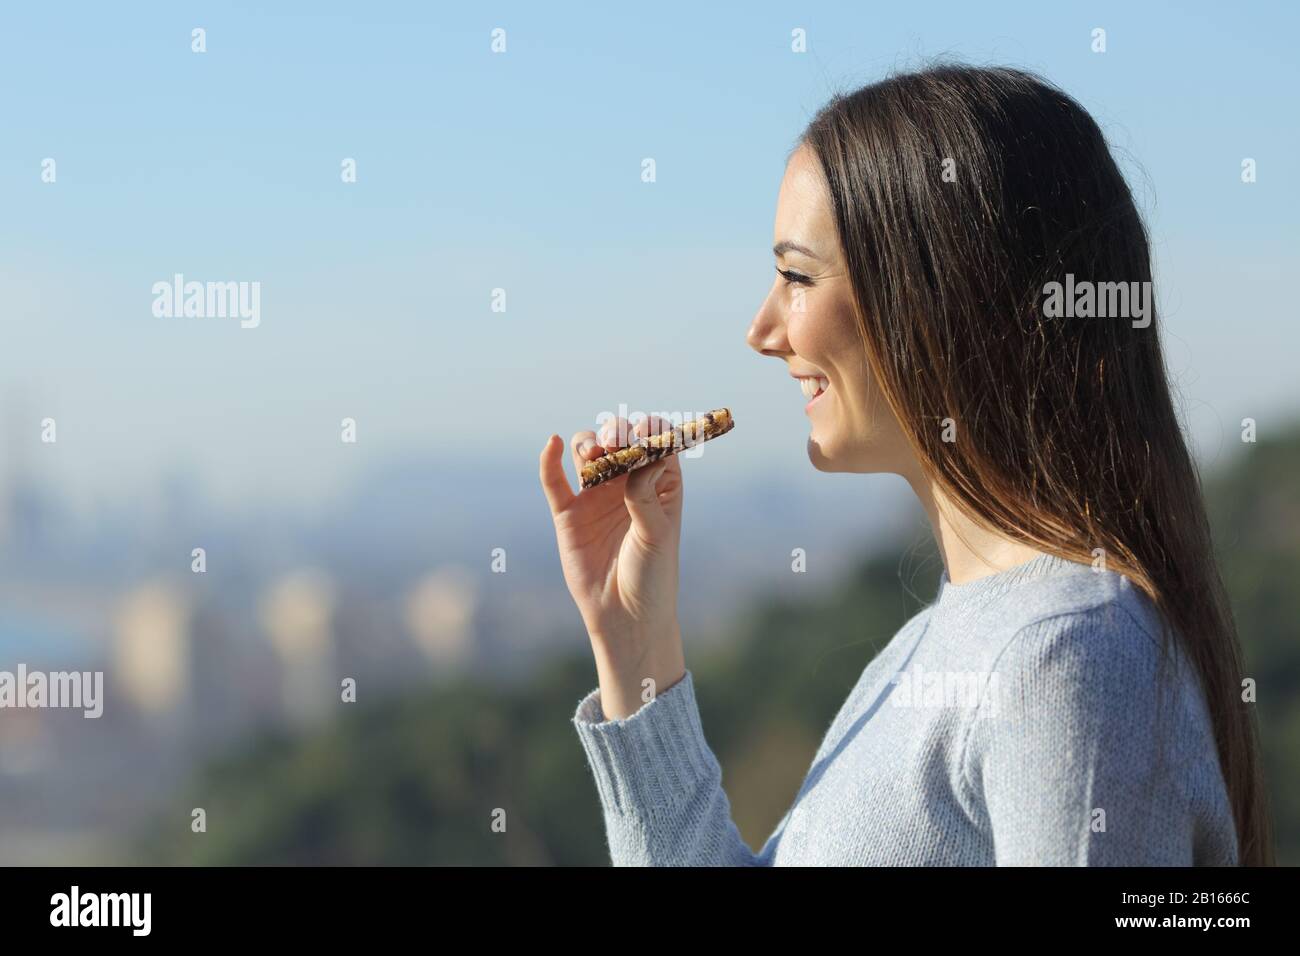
(808,321)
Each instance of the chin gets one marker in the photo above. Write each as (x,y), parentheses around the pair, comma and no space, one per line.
(820,459)
(829,460)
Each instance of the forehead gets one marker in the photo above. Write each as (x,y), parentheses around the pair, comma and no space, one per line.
(803,210)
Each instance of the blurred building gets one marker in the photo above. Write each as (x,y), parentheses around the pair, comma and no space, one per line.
(152,654)
(297,614)
(440,614)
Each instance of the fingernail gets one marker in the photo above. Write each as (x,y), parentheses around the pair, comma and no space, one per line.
(586,446)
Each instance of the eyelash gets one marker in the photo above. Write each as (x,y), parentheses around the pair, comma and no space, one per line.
(793,278)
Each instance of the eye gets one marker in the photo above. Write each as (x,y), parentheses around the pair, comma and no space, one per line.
(793,278)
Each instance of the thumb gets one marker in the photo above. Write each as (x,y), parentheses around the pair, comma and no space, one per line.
(643,505)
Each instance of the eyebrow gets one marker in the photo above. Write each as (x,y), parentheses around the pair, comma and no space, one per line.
(786,245)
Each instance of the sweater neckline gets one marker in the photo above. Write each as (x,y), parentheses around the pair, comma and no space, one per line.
(991,585)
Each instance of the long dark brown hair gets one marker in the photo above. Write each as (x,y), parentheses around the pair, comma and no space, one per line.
(960,193)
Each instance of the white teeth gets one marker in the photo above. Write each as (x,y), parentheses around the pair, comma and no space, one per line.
(811,386)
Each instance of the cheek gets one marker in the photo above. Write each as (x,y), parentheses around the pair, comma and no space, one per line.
(812,332)
(825,335)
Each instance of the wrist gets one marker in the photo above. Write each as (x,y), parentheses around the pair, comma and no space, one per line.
(635,642)
(632,675)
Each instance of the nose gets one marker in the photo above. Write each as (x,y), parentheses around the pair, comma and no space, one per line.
(766,333)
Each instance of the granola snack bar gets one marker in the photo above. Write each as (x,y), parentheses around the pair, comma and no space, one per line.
(645,451)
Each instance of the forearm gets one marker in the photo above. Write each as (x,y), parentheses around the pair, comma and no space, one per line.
(625,664)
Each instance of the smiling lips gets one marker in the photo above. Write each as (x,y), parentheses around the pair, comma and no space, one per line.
(814,385)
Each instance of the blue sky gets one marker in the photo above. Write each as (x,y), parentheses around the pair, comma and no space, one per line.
(522,171)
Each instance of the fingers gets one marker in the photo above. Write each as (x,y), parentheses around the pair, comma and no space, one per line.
(585,448)
(644,506)
(559,495)
(613,433)
(619,432)
(654,425)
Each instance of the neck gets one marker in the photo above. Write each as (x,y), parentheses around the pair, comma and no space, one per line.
(970,550)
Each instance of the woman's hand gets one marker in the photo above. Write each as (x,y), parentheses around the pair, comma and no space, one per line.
(619,544)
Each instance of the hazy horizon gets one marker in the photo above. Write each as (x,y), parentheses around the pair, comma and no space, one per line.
(521,171)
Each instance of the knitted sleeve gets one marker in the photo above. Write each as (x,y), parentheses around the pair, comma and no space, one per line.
(1081,758)
(660,785)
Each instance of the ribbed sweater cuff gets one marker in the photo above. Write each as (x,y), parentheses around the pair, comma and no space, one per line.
(656,759)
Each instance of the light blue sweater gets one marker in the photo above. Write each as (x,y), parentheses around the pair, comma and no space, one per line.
(1010,722)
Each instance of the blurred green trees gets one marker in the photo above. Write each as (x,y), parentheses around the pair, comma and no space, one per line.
(420,780)
(1254,506)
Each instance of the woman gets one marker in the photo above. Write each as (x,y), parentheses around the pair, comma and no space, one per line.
(926,228)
